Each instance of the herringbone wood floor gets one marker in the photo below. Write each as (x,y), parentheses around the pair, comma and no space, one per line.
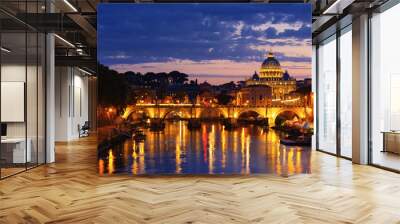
(70,191)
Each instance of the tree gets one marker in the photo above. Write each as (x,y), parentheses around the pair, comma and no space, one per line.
(224,98)
(177,77)
(228,86)
(113,87)
(304,90)
(134,78)
(180,95)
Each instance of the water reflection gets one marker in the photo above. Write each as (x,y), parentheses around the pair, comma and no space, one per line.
(210,150)
(110,162)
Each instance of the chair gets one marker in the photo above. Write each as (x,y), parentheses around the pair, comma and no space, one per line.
(84,130)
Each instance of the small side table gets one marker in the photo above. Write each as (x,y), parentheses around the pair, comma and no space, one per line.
(391,141)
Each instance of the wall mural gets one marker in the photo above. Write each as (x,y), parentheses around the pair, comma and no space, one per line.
(204,89)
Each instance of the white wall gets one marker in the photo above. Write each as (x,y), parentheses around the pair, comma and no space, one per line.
(16,73)
(33,126)
(62,82)
(12,73)
(71,102)
(81,98)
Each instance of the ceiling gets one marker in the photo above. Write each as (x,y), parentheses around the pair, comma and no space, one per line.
(75,21)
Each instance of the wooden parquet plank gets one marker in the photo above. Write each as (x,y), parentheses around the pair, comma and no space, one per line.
(70,191)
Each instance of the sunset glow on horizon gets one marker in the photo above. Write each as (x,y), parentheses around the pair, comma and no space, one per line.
(213,71)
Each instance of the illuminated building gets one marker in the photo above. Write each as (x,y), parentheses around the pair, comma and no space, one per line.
(271,74)
(256,95)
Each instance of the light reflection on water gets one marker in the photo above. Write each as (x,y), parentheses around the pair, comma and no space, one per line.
(209,150)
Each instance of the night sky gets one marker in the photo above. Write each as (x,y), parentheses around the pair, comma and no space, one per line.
(217,43)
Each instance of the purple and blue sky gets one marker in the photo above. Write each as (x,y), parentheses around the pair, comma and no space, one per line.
(216,43)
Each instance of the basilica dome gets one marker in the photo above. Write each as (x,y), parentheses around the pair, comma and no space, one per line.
(271,67)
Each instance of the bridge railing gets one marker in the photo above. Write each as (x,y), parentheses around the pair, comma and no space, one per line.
(273,104)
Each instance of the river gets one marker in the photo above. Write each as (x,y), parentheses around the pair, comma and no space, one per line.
(209,150)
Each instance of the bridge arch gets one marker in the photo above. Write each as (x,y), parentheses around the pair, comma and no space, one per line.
(284,116)
(276,114)
(262,111)
(249,114)
(131,111)
(178,112)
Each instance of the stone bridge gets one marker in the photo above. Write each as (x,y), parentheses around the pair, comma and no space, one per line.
(187,111)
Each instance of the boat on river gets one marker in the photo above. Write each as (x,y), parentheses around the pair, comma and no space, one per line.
(301,140)
(139,136)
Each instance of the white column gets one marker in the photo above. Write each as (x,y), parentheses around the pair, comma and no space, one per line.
(314,90)
(360,90)
(50,99)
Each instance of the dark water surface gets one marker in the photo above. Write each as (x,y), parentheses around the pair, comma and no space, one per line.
(209,150)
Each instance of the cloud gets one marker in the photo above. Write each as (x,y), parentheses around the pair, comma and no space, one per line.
(279,27)
(120,55)
(297,51)
(285,41)
(238,27)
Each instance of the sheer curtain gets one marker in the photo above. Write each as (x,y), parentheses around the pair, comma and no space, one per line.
(327,96)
